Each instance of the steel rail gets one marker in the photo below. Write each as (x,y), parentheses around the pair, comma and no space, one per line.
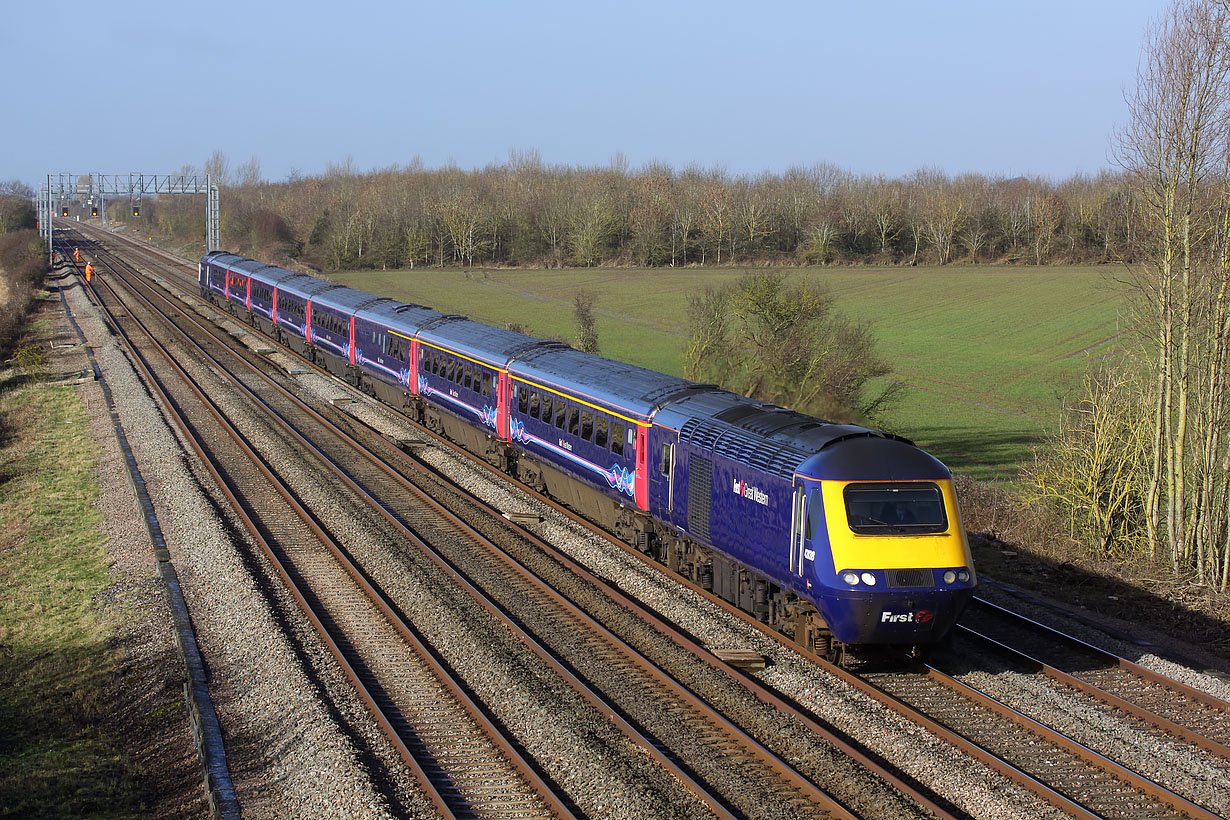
(550,799)
(1109,698)
(1126,665)
(1062,741)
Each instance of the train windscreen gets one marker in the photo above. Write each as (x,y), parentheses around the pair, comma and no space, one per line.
(916,508)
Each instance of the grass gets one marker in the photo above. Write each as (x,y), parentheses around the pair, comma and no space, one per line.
(984,351)
(56,660)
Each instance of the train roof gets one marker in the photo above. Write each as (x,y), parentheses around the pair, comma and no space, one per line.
(305,287)
(269,274)
(494,346)
(772,438)
(399,316)
(874,458)
(345,299)
(636,390)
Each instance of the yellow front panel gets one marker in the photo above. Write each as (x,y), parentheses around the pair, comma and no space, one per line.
(853,551)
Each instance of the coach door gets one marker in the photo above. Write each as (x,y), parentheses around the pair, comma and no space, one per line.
(502,407)
(798,530)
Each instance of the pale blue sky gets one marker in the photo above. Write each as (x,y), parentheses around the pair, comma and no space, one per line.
(1001,88)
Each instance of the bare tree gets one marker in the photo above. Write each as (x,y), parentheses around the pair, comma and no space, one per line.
(716,215)
(249,174)
(591,225)
(1045,215)
(752,215)
(219,168)
(942,212)
(1175,149)
(1093,470)
(883,206)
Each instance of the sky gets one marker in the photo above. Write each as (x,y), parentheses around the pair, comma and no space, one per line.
(998,87)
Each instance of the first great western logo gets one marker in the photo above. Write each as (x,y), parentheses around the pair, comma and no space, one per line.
(751,493)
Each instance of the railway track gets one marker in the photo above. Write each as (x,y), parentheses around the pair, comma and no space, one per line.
(1172,708)
(467,767)
(687,728)
(1068,778)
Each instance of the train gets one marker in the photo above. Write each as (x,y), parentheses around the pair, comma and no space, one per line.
(843,537)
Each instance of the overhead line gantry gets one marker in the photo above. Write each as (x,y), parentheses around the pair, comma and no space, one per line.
(62,188)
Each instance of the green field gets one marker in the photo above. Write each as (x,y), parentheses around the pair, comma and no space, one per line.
(984,351)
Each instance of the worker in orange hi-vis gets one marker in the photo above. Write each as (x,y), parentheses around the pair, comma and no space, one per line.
(77,254)
(89,271)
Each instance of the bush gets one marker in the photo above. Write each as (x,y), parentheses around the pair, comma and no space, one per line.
(23,263)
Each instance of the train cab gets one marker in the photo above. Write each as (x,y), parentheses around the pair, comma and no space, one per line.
(877,533)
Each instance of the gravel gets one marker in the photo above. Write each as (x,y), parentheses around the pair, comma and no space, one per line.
(295,755)
(289,757)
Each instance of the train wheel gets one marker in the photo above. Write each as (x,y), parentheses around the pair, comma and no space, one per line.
(836,653)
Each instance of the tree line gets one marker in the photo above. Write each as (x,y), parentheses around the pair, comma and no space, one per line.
(525,212)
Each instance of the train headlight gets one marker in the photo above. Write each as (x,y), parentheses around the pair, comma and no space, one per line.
(949,576)
(869,579)
(850,578)
(963,575)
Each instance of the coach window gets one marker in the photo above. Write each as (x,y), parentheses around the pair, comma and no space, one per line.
(523,399)
(600,433)
(534,403)
(486,383)
(573,426)
(561,413)
(666,459)
(467,377)
(546,407)
(587,425)
(450,369)
(617,438)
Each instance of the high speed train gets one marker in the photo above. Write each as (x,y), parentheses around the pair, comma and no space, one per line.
(839,535)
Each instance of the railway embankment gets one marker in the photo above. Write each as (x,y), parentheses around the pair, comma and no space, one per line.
(91,696)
